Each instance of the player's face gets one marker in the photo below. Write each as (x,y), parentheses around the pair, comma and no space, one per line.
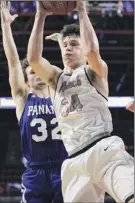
(72,52)
(33,80)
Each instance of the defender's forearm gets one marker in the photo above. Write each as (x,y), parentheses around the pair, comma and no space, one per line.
(35,45)
(9,45)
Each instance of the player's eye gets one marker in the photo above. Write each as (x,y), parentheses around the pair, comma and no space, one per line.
(64,45)
(74,44)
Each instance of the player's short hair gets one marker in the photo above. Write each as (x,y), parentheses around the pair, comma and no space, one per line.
(70,30)
(25,65)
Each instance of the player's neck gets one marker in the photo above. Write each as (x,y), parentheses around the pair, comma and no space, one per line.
(43,93)
(69,70)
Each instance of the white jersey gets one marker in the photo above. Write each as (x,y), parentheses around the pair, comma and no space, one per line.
(81,110)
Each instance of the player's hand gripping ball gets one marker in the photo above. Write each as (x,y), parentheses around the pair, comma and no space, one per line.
(59,7)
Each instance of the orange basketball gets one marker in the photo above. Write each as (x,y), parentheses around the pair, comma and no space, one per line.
(59,7)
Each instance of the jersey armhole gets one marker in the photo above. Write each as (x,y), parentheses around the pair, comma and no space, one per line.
(57,83)
(86,69)
(28,95)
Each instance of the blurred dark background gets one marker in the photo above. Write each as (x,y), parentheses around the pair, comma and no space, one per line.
(114,25)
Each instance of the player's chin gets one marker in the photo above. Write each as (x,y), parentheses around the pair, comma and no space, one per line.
(41,83)
(71,64)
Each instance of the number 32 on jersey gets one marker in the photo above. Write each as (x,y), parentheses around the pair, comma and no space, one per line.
(43,130)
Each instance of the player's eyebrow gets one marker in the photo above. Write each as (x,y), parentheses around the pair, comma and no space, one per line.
(72,41)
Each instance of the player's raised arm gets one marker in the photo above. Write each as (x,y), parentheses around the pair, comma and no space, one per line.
(40,65)
(90,41)
(16,78)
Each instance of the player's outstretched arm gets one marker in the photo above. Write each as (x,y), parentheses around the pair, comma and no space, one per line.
(16,78)
(130,106)
(40,65)
(90,41)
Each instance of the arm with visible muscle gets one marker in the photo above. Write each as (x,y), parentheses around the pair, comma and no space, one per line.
(16,78)
(40,65)
(90,41)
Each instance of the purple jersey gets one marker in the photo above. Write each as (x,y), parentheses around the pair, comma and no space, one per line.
(40,135)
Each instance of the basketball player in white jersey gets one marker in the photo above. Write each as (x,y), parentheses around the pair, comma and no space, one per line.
(97,161)
(41,142)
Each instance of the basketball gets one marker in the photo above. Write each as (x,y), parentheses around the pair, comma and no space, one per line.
(59,7)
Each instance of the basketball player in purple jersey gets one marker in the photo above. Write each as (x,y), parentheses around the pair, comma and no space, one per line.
(40,137)
(97,161)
